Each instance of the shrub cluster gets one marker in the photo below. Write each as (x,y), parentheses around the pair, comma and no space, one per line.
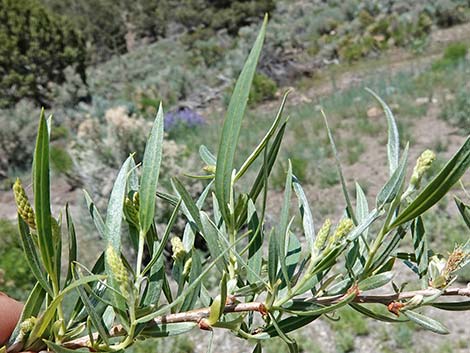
(37,47)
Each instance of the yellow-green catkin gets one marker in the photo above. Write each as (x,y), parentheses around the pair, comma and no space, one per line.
(131,211)
(343,229)
(422,165)
(177,248)
(24,207)
(117,268)
(322,235)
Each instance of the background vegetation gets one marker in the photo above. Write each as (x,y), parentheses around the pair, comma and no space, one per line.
(105,65)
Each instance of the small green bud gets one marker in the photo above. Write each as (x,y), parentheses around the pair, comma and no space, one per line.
(343,229)
(322,235)
(117,268)
(24,207)
(422,165)
(209,169)
(178,248)
(136,200)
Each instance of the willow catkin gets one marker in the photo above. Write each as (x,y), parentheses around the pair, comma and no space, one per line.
(118,269)
(322,235)
(22,202)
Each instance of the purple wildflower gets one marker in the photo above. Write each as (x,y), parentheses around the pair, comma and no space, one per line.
(182,117)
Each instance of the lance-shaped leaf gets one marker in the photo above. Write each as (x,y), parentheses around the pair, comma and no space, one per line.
(283,228)
(453,306)
(257,151)
(420,246)
(72,244)
(306,213)
(426,322)
(232,124)
(218,305)
(167,330)
(150,172)
(255,250)
(31,255)
(464,210)
(438,187)
(376,316)
(349,208)
(376,281)
(393,144)
(196,269)
(394,185)
(95,215)
(115,208)
(190,209)
(207,156)
(42,198)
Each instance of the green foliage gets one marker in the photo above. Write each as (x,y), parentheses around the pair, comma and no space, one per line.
(37,47)
(15,275)
(271,283)
(453,54)
(61,162)
(263,88)
(457,111)
(215,15)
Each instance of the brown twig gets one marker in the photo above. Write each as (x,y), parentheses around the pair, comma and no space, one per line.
(199,314)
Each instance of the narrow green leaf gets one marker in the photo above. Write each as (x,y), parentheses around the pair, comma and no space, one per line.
(287,325)
(255,250)
(211,236)
(267,167)
(426,322)
(283,228)
(273,257)
(156,277)
(115,208)
(192,296)
(464,210)
(393,186)
(93,315)
(31,255)
(393,144)
(376,281)
(42,199)
(453,306)
(376,316)
(364,225)
(218,305)
(306,214)
(438,187)
(263,143)
(232,124)
(150,172)
(362,208)
(306,311)
(349,208)
(72,244)
(258,348)
(207,156)
(420,246)
(95,215)
(159,251)
(189,208)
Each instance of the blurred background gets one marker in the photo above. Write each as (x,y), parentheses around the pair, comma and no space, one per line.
(101,68)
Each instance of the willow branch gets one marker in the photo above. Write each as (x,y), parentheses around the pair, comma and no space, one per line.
(199,314)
